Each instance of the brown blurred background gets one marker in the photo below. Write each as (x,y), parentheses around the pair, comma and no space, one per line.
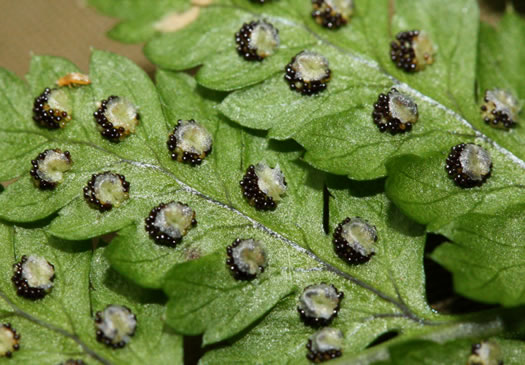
(69,28)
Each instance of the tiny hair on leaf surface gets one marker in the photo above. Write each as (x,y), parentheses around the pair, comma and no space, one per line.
(61,325)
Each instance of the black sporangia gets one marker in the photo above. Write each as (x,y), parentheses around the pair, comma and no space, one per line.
(332,14)
(106,190)
(167,223)
(48,168)
(52,109)
(189,142)
(116,118)
(500,109)
(246,258)
(263,186)
(412,50)
(319,304)
(33,277)
(395,112)
(354,240)
(469,165)
(324,345)
(485,353)
(9,340)
(115,326)
(308,73)
(257,40)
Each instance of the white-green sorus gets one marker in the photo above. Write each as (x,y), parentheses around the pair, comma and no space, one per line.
(59,99)
(174,220)
(310,66)
(192,137)
(475,161)
(249,256)
(360,235)
(122,114)
(402,107)
(117,324)
(424,50)
(270,181)
(319,301)
(327,339)
(52,167)
(264,39)
(497,102)
(108,188)
(38,272)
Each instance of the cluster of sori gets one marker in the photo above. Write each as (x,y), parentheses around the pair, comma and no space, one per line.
(116,119)
(262,186)
(469,165)
(33,279)
(247,258)
(354,239)
(318,306)
(307,73)
(395,111)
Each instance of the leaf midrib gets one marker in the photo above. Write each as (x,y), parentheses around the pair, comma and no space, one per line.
(187,188)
